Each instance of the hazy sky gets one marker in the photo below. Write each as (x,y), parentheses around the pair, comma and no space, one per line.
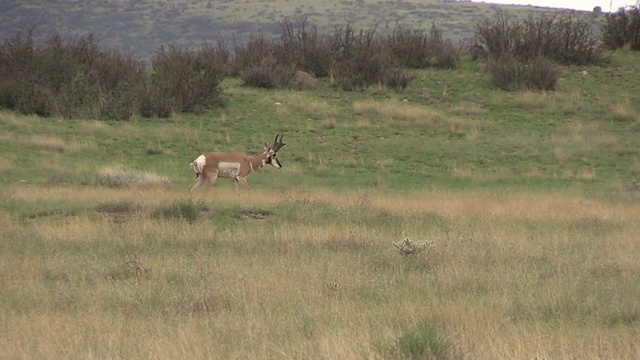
(606,5)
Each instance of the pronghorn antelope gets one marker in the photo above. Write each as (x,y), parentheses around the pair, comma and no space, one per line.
(235,166)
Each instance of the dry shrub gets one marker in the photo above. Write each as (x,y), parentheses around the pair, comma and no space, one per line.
(121,176)
(304,80)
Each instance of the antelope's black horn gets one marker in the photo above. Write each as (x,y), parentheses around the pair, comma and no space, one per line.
(277,143)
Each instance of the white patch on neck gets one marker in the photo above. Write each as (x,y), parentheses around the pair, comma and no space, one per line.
(228,169)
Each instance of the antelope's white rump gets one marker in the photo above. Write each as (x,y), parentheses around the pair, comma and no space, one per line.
(198,164)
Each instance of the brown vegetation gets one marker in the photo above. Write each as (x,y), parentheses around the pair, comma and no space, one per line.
(517,275)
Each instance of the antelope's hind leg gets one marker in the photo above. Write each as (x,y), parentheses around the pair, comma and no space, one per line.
(211,179)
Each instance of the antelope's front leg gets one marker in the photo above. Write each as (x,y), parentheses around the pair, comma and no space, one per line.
(243,181)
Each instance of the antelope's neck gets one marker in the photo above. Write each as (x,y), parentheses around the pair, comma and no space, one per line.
(258,161)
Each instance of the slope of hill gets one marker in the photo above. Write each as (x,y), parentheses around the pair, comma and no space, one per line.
(140,27)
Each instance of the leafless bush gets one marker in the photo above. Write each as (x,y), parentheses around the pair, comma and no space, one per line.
(359,58)
(184,81)
(251,53)
(622,29)
(353,59)
(417,49)
(564,38)
(305,48)
(79,79)
(270,73)
(68,79)
(509,73)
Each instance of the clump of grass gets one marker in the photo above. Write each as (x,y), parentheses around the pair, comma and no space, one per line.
(121,176)
(624,111)
(117,207)
(201,304)
(329,123)
(395,109)
(131,267)
(188,210)
(409,247)
(425,341)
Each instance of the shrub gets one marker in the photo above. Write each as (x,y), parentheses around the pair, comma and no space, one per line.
(541,74)
(416,49)
(622,29)
(563,38)
(305,48)
(72,79)
(185,81)
(352,59)
(269,73)
(359,58)
(509,73)
(569,41)
(79,79)
(397,78)
(494,36)
(251,53)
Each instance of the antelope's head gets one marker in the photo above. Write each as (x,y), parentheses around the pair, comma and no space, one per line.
(273,150)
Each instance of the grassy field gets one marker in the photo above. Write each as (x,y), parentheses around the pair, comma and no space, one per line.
(527,205)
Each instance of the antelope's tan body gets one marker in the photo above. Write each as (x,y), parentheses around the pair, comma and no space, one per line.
(237,166)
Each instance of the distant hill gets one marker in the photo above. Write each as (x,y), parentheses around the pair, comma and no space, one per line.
(140,27)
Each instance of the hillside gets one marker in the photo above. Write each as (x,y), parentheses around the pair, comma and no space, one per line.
(140,27)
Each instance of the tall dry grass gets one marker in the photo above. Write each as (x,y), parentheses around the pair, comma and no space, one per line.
(313,274)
